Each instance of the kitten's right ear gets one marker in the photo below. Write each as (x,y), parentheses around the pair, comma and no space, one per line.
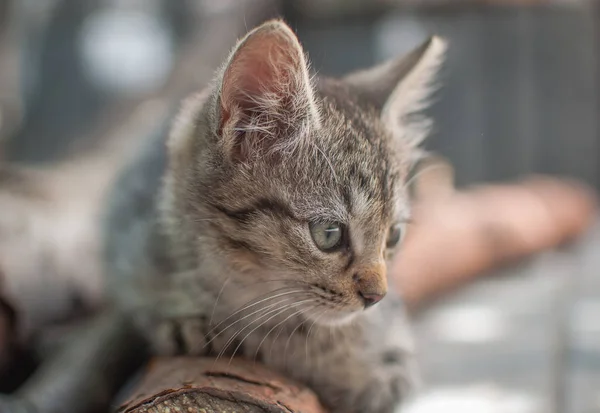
(265,100)
(401,88)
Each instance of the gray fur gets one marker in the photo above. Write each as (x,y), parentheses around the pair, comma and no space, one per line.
(219,222)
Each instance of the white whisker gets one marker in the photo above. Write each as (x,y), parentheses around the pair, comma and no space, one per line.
(287,343)
(277,325)
(232,339)
(245,317)
(265,322)
(310,329)
(212,314)
(305,310)
(253,304)
(327,160)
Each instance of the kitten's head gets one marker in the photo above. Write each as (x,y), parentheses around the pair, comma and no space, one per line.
(299,183)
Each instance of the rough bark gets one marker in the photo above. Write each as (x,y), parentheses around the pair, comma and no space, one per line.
(203,385)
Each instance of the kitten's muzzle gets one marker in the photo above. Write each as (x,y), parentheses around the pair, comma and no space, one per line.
(371,284)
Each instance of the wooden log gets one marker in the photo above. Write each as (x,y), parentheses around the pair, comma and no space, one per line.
(203,385)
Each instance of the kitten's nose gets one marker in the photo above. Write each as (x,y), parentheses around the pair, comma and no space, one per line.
(371,284)
(370,299)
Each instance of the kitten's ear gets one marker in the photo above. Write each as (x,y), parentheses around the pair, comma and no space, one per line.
(265,101)
(401,88)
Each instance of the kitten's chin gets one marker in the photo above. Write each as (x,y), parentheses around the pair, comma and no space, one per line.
(338,318)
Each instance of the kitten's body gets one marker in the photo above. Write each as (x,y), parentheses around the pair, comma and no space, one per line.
(212,226)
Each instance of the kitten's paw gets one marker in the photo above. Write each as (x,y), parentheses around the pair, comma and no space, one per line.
(384,394)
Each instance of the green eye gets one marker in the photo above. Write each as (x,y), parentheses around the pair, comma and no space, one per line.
(395,234)
(328,236)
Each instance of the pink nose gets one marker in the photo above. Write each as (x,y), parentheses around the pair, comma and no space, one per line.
(370,299)
(371,283)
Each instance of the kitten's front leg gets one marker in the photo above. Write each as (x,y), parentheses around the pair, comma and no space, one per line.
(353,370)
(354,384)
(176,318)
(390,384)
(185,335)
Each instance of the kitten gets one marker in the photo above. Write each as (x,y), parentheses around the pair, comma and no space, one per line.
(266,225)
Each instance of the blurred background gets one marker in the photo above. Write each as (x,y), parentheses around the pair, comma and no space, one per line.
(82,79)
(520,86)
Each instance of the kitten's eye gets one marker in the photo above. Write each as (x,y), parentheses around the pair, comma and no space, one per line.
(395,234)
(328,236)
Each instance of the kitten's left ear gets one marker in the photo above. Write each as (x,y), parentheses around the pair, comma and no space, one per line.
(401,88)
(265,99)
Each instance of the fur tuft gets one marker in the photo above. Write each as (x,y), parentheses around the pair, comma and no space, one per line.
(413,93)
(266,101)
(401,90)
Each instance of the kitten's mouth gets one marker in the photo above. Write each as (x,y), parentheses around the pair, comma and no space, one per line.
(332,314)
(330,306)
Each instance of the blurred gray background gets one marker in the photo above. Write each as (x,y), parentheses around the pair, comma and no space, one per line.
(519,90)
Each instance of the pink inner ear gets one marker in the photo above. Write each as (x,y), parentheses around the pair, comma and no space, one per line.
(265,94)
(264,67)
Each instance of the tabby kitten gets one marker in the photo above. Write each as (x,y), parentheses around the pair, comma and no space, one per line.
(265,227)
